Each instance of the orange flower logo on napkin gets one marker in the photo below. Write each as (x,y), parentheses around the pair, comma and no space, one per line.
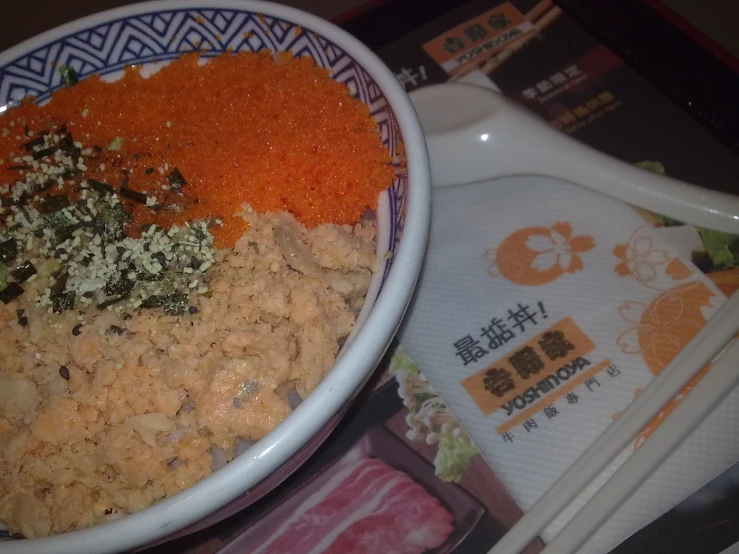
(650,266)
(640,259)
(661,330)
(539,255)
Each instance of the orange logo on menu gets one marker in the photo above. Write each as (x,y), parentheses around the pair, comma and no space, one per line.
(479,38)
(519,379)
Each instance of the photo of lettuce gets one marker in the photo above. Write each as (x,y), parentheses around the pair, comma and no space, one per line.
(454,456)
(721,248)
(430,420)
(651,165)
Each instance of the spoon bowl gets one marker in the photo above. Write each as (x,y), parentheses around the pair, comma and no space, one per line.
(474,134)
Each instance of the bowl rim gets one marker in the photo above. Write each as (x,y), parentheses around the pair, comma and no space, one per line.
(361,357)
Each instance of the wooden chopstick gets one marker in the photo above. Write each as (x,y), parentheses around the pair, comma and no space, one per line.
(547,19)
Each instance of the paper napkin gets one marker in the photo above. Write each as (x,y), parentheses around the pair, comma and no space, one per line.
(542,311)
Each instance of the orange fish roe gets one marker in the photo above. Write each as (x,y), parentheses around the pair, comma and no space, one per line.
(240,128)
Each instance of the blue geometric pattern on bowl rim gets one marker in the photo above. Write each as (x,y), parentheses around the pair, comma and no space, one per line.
(164,35)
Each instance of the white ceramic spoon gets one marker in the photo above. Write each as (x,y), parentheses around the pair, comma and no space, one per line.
(474,134)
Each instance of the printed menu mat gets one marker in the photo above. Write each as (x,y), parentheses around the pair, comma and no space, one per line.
(533,365)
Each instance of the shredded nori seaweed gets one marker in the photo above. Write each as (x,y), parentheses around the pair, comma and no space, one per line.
(23,272)
(53,204)
(175,304)
(153,301)
(118,285)
(63,302)
(112,301)
(38,154)
(60,300)
(8,251)
(11,292)
(99,186)
(68,74)
(176,179)
(136,196)
(31,144)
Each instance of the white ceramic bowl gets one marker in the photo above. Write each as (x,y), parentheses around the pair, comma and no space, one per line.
(138,34)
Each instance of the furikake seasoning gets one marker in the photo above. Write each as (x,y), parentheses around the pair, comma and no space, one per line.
(72,233)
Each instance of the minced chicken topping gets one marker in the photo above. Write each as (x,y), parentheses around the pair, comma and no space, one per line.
(104,417)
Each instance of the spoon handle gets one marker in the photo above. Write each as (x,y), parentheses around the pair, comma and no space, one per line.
(496,138)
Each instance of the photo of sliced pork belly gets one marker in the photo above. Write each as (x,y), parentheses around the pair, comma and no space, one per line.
(366,506)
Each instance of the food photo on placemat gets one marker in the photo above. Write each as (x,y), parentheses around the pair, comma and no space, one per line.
(384,482)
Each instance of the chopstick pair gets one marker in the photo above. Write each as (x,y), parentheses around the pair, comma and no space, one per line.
(542,15)
(716,338)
